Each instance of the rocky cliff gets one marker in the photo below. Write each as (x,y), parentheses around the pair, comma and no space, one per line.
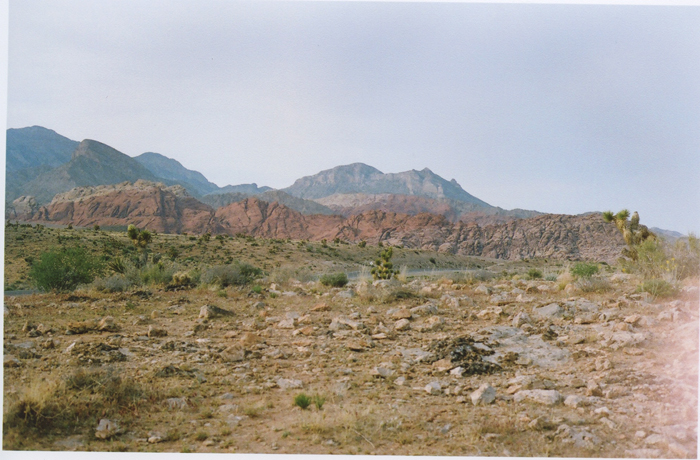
(171,210)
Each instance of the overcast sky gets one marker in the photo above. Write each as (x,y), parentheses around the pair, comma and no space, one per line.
(557,108)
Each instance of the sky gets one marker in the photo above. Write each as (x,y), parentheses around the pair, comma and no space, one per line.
(553,107)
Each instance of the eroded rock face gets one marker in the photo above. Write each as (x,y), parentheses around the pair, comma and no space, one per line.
(171,210)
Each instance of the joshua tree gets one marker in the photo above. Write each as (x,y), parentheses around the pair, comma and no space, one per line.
(631,230)
(140,238)
(382,269)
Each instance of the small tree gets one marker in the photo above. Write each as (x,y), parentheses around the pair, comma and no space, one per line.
(64,269)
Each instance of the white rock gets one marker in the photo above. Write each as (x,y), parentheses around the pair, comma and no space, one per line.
(552,310)
(486,394)
(286,384)
(402,325)
(400,381)
(457,371)
(546,397)
(575,401)
(106,429)
(433,388)
(481,289)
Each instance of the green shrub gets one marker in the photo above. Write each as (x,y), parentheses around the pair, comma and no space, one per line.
(302,400)
(362,244)
(64,269)
(584,270)
(658,288)
(319,401)
(334,279)
(235,274)
(534,274)
(156,274)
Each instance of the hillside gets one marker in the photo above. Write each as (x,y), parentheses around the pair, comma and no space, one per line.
(167,168)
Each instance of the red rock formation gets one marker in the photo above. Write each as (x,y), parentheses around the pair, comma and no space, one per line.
(170,210)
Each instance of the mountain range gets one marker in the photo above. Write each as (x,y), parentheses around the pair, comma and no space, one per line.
(53,179)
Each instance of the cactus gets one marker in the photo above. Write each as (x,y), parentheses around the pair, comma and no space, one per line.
(632,231)
(383,268)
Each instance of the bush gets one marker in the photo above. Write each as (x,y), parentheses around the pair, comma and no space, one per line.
(658,288)
(115,283)
(236,274)
(334,279)
(534,274)
(302,400)
(64,269)
(156,274)
(584,270)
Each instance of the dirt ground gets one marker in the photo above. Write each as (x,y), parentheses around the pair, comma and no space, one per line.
(425,367)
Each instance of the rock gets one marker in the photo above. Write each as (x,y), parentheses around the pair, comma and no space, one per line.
(400,381)
(286,384)
(154,437)
(343,322)
(550,311)
(382,372)
(424,310)
(656,439)
(546,397)
(433,388)
(249,339)
(10,361)
(442,365)
(575,401)
(602,364)
(156,332)
(490,313)
(321,307)
(678,450)
(106,429)
(402,313)
(633,319)
(486,394)
(402,325)
(481,289)
(458,371)
(431,324)
(579,437)
(346,294)
(107,324)
(521,318)
(449,301)
(288,323)
(210,311)
(358,344)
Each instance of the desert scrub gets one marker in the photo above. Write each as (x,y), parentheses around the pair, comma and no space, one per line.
(74,404)
(334,279)
(658,288)
(319,401)
(592,284)
(302,400)
(584,270)
(235,274)
(534,274)
(115,283)
(64,269)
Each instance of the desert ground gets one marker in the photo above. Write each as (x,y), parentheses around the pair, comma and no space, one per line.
(493,358)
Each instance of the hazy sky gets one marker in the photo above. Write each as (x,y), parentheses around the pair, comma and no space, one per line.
(558,108)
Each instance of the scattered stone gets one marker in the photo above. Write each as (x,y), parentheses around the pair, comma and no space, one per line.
(107,324)
(579,437)
(401,381)
(481,289)
(521,318)
(546,397)
(382,372)
(486,394)
(402,325)
(211,311)
(433,388)
(106,429)
(457,371)
(154,437)
(575,401)
(443,365)
(156,332)
(424,310)
(287,384)
(358,344)
(248,339)
(11,361)
(321,307)
(433,323)
(400,314)
(643,453)
(550,311)
(490,313)
(288,323)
